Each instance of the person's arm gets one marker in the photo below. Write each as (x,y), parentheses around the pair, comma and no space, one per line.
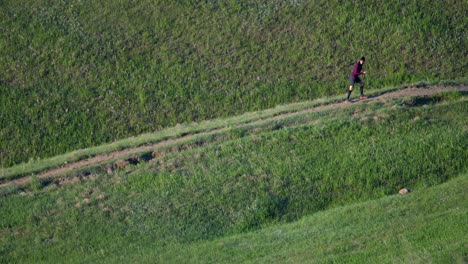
(362,72)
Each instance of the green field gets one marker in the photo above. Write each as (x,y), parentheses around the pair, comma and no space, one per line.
(259,161)
(424,227)
(212,200)
(75,74)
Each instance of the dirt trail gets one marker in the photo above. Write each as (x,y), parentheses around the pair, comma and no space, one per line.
(116,155)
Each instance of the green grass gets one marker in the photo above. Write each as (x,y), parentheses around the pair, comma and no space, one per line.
(255,179)
(80,74)
(216,128)
(38,165)
(426,226)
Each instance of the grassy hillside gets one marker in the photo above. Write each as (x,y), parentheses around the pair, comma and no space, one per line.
(267,174)
(423,227)
(75,74)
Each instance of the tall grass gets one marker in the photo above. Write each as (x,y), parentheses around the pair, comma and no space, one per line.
(239,185)
(78,74)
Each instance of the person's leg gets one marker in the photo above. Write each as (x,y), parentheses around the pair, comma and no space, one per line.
(362,91)
(350,90)
(352,81)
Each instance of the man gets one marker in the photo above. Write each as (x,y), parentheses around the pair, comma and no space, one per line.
(357,70)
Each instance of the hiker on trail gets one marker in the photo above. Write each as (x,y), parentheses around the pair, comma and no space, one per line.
(357,70)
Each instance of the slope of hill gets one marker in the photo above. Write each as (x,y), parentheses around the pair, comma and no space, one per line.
(254,176)
(427,226)
(140,147)
(75,74)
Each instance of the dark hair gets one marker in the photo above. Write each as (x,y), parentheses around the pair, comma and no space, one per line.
(363,58)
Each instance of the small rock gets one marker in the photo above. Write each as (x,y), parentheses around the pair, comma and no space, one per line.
(404,191)
(86,201)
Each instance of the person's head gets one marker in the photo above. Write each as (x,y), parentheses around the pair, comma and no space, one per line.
(362,60)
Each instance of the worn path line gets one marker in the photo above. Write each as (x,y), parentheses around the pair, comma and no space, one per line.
(115,155)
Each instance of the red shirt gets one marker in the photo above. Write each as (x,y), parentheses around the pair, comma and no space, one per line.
(357,70)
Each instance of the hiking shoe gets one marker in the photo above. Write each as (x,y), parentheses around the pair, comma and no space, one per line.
(347,101)
(362,97)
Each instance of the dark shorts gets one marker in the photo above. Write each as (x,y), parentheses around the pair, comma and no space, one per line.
(353,80)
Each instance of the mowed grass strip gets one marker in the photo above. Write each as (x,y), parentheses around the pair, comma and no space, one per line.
(38,165)
(216,127)
(237,186)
